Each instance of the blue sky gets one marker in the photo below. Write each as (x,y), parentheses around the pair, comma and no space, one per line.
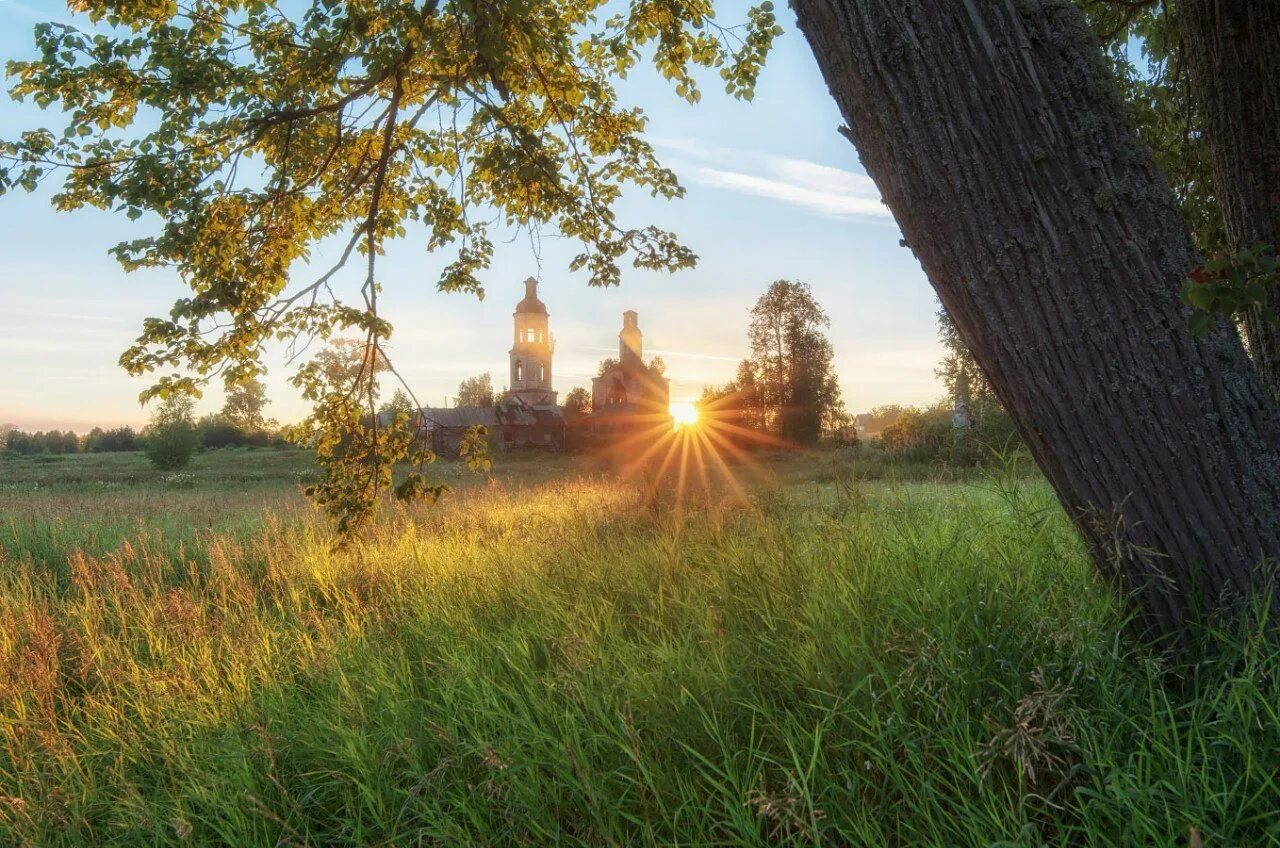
(773,191)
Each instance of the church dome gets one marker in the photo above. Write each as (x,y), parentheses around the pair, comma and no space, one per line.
(530,303)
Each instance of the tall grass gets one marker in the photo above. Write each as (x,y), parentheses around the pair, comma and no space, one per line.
(579,663)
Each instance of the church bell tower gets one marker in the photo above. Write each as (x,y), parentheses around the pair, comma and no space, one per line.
(630,340)
(531,351)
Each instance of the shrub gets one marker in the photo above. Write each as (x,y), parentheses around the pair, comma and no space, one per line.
(929,435)
(172,445)
(171,438)
(918,435)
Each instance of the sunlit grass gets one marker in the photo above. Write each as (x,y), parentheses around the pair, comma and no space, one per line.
(593,660)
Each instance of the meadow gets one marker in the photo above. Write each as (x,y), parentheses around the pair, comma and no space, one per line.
(843,652)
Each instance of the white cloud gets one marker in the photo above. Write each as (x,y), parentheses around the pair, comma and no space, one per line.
(831,191)
(822,188)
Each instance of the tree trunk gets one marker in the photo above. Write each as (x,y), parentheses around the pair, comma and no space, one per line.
(998,141)
(1232,49)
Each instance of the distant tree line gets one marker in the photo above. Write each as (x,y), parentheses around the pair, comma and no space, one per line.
(212,431)
(240,423)
(96,440)
(46,441)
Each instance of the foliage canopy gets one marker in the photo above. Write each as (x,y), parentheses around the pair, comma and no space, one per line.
(476,391)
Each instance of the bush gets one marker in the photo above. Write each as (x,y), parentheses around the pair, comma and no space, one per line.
(171,445)
(171,438)
(918,435)
(992,433)
(930,436)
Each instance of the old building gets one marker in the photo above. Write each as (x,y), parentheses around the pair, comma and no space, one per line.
(531,351)
(511,425)
(526,415)
(629,396)
(628,399)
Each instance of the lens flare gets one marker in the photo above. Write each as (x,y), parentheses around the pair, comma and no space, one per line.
(700,458)
(684,414)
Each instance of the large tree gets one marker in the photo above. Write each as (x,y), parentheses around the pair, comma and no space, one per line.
(957,369)
(244,404)
(1203,92)
(792,363)
(1143,49)
(350,366)
(998,141)
(740,402)
(577,403)
(1232,49)
(476,391)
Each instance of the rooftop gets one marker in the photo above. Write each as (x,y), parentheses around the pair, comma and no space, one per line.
(531,303)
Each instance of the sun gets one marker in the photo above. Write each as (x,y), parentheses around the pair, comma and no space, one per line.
(683,414)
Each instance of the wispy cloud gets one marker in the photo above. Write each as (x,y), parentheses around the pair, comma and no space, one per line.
(77,317)
(822,188)
(679,353)
(800,185)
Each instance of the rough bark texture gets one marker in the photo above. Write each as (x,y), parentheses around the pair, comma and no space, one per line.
(1233,52)
(999,144)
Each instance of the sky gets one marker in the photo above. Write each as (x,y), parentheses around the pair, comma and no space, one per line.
(774,192)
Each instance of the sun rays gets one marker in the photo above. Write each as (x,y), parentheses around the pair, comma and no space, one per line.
(696,453)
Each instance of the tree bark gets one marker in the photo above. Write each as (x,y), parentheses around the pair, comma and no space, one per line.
(997,140)
(1232,49)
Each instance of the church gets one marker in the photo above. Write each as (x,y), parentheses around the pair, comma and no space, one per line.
(628,398)
(624,398)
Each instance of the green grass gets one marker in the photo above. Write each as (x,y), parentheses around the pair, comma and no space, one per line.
(557,656)
(51,505)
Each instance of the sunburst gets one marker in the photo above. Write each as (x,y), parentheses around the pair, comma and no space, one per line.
(694,450)
(683,414)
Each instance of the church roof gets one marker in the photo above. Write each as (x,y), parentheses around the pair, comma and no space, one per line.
(460,416)
(531,303)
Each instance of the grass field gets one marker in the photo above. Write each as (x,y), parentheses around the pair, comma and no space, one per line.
(852,654)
